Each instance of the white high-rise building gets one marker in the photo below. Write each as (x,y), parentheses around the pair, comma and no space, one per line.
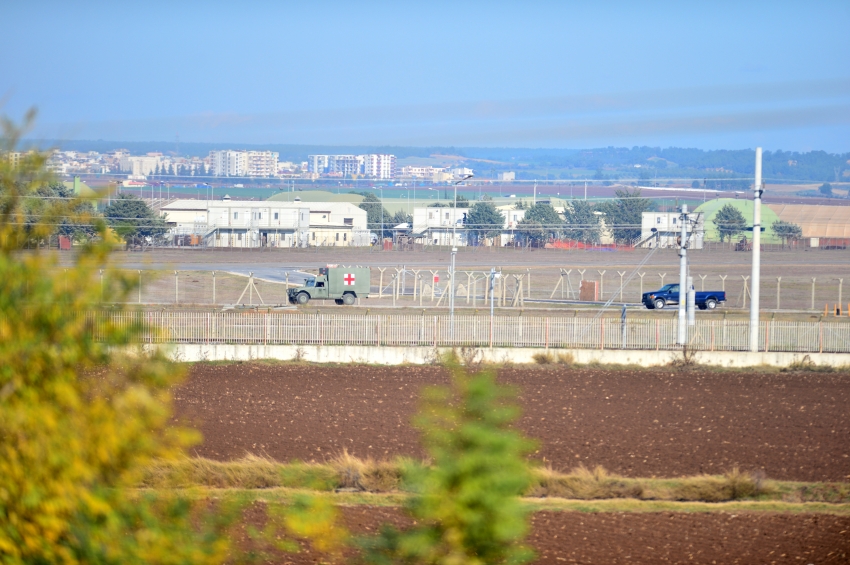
(317,164)
(228,163)
(234,163)
(379,166)
(345,164)
(261,163)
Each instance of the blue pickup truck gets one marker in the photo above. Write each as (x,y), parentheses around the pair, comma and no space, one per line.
(669,294)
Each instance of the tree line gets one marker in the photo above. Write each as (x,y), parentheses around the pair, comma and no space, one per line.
(128,217)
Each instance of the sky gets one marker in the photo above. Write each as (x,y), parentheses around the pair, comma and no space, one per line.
(712,75)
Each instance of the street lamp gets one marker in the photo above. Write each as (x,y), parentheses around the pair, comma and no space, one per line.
(382,213)
(454,254)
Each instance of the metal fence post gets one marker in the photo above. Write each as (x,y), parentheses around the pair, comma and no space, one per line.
(813,292)
(176,288)
(140,286)
(778,291)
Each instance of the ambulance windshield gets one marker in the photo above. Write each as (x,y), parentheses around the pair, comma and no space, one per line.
(310,282)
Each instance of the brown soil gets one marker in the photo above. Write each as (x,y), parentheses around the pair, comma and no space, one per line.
(668,537)
(635,423)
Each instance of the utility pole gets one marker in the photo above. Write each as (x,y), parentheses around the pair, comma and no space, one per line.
(754,296)
(454,255)
(683,277)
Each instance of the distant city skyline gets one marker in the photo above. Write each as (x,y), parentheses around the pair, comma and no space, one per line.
(729,75)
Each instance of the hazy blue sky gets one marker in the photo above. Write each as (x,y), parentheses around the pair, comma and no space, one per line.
(533,74)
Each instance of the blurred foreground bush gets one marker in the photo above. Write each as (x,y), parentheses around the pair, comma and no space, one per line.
(78,418)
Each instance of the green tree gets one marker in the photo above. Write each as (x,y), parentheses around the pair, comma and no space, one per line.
(133,220)
(77,224)
(461,202)
(624,215)
(786,231)
(400,217)
(540,223)
(730,222)
(484,221)
(375,213)
(825,189)
(581,224)
(466,509)
(80,418)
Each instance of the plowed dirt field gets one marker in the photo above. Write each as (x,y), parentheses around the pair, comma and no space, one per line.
(634,423)
(749,538)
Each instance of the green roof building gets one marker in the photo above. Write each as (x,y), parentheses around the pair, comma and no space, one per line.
(709,210)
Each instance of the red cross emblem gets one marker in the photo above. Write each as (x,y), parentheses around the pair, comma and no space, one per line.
(348,279)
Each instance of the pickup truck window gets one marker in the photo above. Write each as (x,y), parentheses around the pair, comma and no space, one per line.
(670,288)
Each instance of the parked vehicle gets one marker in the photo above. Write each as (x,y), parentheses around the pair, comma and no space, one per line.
(669,294)
(341,284)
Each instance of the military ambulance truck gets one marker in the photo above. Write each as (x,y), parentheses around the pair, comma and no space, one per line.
(341,284)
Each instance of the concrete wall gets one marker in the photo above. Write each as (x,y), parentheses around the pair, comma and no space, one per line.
(425,355)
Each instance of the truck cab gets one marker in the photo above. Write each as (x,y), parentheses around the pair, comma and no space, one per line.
(344,285)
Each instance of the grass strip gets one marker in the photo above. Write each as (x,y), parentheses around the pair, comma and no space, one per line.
(355,475)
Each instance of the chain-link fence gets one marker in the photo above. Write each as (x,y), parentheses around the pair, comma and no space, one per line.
(269,328)
(514,286)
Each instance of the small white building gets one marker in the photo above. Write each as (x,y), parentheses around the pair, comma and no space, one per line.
(668,229)
(445,226)
(233,223)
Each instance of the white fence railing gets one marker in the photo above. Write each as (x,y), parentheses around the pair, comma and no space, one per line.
(260,328)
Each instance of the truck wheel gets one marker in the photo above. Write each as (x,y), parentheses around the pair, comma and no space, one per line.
(302,298)
(702,306)
(338,302)
(659,303)
(711,304)
(348,299)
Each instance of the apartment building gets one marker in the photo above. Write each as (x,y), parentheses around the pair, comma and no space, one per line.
(379,166)
(426,172)
(140,166)
(345,165)
(236,163)
(317,164)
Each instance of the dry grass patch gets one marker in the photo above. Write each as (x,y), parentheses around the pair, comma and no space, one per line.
(366,474)
(543,358)
(583,484)
(349,473)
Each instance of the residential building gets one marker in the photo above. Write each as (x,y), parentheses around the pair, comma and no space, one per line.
(317,164)
(237,163)
(507,176)
(379,166)
(345,165)
(140,166)
(261,163)
(426,172)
